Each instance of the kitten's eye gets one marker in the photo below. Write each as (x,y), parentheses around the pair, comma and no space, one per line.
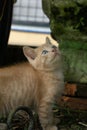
(44,52)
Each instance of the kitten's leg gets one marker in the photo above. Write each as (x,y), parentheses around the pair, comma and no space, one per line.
(2,109)
(46,115)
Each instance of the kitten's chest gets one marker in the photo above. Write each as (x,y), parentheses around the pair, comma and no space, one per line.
(53,83)
(52,78)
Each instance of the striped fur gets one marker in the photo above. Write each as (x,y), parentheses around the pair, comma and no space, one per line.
(35,83)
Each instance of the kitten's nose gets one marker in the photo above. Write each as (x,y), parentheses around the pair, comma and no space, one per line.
(54,48)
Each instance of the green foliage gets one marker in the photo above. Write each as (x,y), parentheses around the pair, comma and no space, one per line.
(68,19)
(75,65)
(68,23)
(74,45)
(70,13)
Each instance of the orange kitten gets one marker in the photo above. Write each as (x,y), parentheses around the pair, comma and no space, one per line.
(36,83)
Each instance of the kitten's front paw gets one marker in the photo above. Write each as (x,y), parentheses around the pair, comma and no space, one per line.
(51,128)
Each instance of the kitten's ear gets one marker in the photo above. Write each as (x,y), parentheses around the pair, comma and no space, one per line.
(48,40)
(29,53)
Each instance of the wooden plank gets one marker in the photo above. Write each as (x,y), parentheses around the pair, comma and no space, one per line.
(73,103)
(77,90)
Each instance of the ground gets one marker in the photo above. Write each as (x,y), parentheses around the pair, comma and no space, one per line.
(66,119)
(71,119)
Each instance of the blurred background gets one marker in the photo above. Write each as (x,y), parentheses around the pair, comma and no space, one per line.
(30,25)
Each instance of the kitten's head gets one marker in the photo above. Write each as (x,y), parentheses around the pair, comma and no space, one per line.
(44,57)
